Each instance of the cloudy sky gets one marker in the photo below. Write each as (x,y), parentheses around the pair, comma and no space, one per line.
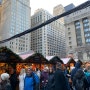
(49,4)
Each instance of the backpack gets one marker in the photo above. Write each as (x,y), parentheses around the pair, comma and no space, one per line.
(79,84)
(88,80)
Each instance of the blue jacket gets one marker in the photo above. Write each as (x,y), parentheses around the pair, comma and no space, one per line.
(30,80)
(87,74)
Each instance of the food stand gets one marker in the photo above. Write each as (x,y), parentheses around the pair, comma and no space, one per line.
(36,60)
(54,59)
(68,61)
(7,57)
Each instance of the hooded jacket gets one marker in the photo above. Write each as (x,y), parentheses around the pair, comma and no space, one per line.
(73,72)
(80,76)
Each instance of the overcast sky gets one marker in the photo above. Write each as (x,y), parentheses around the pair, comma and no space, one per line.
(49,4)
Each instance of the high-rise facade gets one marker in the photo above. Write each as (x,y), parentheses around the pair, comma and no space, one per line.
(69,7)
(0,1)
(15,18)
(57,10)
(0,13)
(78,33)
(49,39)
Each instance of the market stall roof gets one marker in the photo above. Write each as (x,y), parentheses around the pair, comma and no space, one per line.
(54,59)
(8,56)
(36,58)
(65,60)
(25,55)
(68,60)
(49,57)
(78,60)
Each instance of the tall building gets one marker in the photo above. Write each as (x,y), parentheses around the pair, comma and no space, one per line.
(78,33)
(15,18)
(48,40)
(0,15)
(0,1)
(69,7)
(57,10)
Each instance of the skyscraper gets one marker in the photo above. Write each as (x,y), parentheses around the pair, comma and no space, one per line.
(0,17)
(78,33)
(15,18)
(69,7)
(57,10)
(0,1)
(48,40)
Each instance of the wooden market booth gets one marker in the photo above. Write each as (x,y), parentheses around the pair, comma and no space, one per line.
(8,58)
(70,62)
(53,59)
(35,60)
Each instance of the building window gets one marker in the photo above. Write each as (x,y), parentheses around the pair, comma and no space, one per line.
(68,29)
(78,33)
(85,20)
(69,38)
(69,33)
(70,47)
(77,23)
(69,43)
(86,30)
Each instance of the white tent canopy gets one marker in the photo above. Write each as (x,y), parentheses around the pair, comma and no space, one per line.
(49,57)
(26,54)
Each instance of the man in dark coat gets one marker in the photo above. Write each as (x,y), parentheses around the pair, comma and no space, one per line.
(50,84)
(60,79)
(73,72)
(13,77)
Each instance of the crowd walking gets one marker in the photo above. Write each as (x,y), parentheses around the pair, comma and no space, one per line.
(49,78)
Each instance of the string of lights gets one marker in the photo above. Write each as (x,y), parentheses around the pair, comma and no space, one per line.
(82,6)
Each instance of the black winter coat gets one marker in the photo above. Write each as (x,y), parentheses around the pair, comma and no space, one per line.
(50,84)
(60,80)
(13,81)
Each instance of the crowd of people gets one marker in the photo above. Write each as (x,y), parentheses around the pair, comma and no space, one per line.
(50,78)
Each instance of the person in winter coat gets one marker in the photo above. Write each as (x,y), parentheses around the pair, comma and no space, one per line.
(21,79)
(44,78)
(87,74)
(79,80)
(31,81)
(67,76)
(5,83)
(60,79)
(51,83)
(77,66)
(13,78)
